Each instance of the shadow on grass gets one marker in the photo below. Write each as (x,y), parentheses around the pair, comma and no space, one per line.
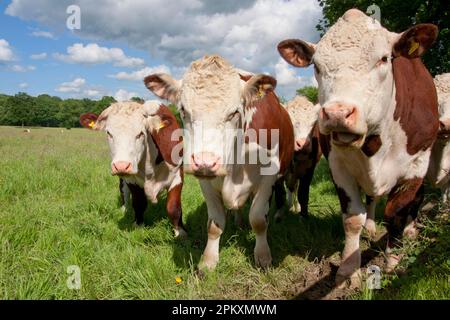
(153,214)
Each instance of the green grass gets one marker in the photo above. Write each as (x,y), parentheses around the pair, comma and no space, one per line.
(59,207)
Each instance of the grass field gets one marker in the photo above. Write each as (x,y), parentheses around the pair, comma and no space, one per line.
(59,207)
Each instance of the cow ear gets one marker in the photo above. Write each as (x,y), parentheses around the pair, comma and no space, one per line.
(88,120)
(163,86)
(297,52)
(257,86)
(415,41)
(155,121)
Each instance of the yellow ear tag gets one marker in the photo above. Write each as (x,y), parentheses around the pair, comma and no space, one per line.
(91,124)
(414,46)
(161,126)
(261,92)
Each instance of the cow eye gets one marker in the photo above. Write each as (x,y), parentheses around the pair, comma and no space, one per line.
(109,134)
(140,135)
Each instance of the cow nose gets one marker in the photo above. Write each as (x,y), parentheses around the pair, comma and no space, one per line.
(121,167)
(301,144)
(205,163)
(338,111)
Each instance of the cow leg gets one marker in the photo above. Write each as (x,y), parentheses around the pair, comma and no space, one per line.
(370,226)
(445,193)
(173,206)
(400,212)
(303,191)
(122,196)
(354,218)
(215,226)
(259,222)
(139,202)
(280,196)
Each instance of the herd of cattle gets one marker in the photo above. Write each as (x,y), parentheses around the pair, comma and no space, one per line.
(382,123)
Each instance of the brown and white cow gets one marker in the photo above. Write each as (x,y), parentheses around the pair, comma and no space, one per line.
(218,107)
(142,148)
(439,170)
(379,112)
(304,116)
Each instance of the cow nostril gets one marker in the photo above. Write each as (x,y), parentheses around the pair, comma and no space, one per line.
(350,112)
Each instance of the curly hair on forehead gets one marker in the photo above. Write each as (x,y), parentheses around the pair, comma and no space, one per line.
(442,83)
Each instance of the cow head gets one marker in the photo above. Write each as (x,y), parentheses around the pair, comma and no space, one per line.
(442,83)
(304,117)
(211,99)
(353,67)
(128,126)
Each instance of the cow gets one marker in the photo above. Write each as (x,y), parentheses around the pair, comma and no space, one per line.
(224,114)
(379,116)
(439,170)
(304,116)
(141,147)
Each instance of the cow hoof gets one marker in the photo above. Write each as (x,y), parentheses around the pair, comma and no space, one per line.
(138,225)
(371,229)
(296,208)
(180,233)
(263,260)
(208,263)
(392,260)
(352,281)
(200,274)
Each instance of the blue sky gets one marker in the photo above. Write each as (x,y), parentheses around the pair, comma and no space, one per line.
(119,44)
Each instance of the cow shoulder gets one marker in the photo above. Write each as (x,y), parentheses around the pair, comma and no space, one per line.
(270,115)
(417,106)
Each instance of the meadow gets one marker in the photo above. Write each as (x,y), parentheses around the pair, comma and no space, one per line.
(59,206)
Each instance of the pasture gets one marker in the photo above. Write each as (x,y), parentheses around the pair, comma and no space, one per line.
(59,207)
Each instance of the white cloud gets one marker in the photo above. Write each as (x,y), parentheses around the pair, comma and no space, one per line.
(244,32)
(92,53)
(74,86)
(288,81)
(139,75)
(92,93)
(23,85)
(19,68)
(39,56)
(80,89)
(6,53)
(123,95)
(43,34)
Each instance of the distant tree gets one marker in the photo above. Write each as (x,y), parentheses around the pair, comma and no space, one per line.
(398,16)
(102,104)
(20,110)
(310,92)
(138,100)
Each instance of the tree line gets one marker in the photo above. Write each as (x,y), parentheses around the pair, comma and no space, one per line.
(48,111)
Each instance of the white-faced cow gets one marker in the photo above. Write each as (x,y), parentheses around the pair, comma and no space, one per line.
(141,145)
(379,111)
(304,116)
(217,104)
(439,170)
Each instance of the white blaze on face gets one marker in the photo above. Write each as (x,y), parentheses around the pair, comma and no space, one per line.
(353,67)
(210,103)
(126,131)
(304,116)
